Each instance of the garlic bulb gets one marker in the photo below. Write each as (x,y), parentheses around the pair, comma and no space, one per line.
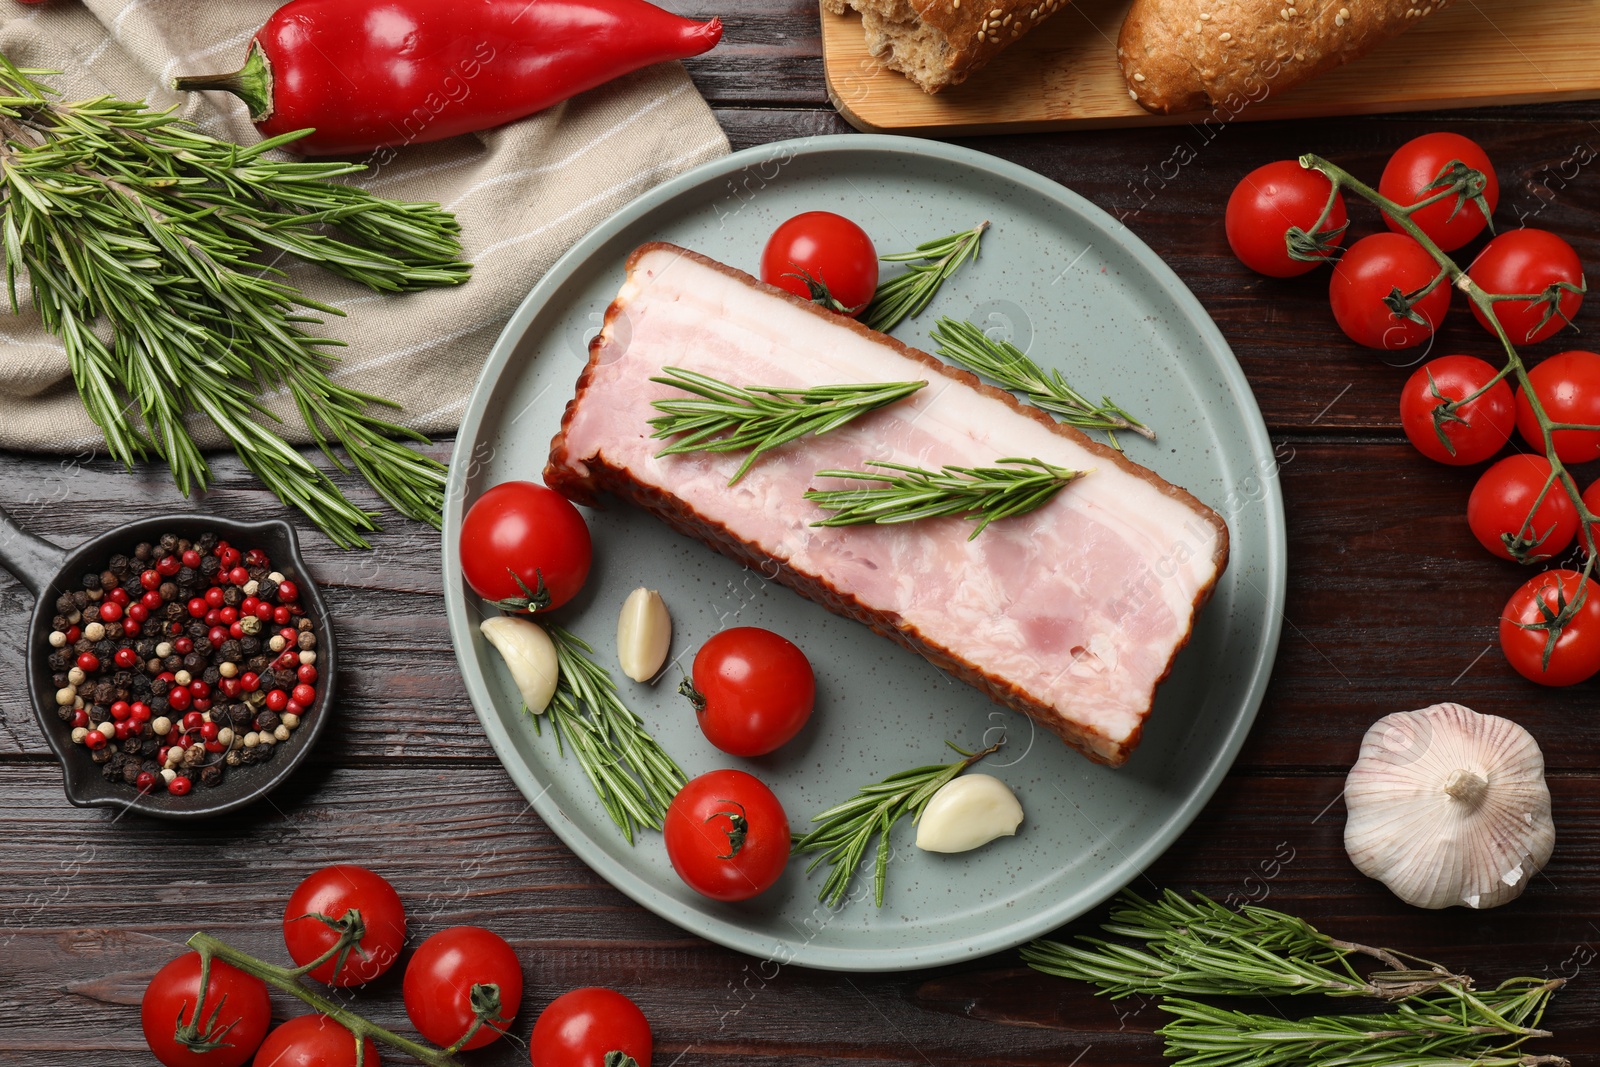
(966,812)
(529,654)
(644,634)
(1449,807)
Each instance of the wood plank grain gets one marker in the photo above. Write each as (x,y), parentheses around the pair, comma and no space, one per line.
(1065,74)
(484,859)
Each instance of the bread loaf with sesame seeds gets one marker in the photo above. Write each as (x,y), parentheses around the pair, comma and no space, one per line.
(938,43)
(1188,55)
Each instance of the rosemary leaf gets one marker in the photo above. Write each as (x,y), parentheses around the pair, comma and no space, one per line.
(632,775)
(126,217)
(966,345)
(846,830)
(757,419)
(981,493)
(906,295)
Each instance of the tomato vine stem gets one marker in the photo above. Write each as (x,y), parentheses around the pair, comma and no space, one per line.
(287,979)
(1484,302)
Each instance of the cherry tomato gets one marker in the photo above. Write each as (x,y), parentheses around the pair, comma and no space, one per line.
(833,251)
(1500,504)
(1535,263)
(334,893)
(520,540)
(314,1041)
(442,975)
(1591,500)
(1369,274)
(752,690)
(1474,431)
(168,1012)
(1410,177)
(1575,654)
(580,1027)
(726,835)
(1568,387)
(1269,202)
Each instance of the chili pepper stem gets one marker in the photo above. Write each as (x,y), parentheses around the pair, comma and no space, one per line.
(251,83)
(283,978)
(1484,302)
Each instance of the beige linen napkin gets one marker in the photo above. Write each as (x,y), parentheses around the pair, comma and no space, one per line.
(524,193)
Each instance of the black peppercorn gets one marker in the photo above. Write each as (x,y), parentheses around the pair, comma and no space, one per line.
(304,623)
(113,631)
(159,706)
(208,542)
(101,755)
(64,712)
(306,641)
(98,713)
(145,647)
(267,719)
(233,759)
(105,693)
(232,596)
(239,716)
(173,663)
(134,588)
(230,651)
(119,565)
(198,628)
(160,687)
(59,623)
(169,543)
(211,677)
(202,645)
(168,590)
(109,580)
(150,766)
(83,645)
(105,649)
(212,775)
(173,611)
(111,771)
(258,573)
(91,581)
(267,589)
(184,545)
(60,680)
(59,660)
(91,613)
(141,685)
(143,551)
(250,646)
(194,663)
(247,756)
(264,752)
(209,567)
(130,775)
(64,604)
(256,664)
(188,576)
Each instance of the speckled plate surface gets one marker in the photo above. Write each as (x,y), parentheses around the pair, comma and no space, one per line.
(1079,292)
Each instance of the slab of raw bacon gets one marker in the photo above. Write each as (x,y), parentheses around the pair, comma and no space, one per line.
(1072,613)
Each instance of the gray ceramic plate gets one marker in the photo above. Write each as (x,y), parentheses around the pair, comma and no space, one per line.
(1080,292)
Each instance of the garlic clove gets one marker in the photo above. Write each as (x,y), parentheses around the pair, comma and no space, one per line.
(1448,807)
(967,812)
(644,634)
(529,654)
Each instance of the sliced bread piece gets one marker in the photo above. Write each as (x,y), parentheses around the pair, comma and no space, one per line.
(938,43)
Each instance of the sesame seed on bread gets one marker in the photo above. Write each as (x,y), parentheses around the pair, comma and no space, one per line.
(937,43)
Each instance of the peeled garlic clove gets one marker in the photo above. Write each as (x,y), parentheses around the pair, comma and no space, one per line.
(1449,807)
(529,654)
(644,634)
(966,812)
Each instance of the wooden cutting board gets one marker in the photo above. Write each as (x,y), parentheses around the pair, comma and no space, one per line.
(1064,75)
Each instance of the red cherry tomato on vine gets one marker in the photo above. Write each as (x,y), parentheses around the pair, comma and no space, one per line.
(332,893)
(1418,164)
(1269,202)
(579,1028)
(752,690)
(833,251)
(726,835)
(1474,431)
(169,1006)
(1535,263)
(520,539)
(1574,653)
(314,1041)
(1568,387)
(1368,275)
(1500,504)
(441,977)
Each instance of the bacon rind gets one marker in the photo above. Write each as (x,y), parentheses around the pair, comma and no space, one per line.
(584,478)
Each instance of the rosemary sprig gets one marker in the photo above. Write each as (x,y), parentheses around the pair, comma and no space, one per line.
(982,493)
(633,776)
(847,829)
(757,419)
(1195,946)
(906,295)
(120,215)
(968,346)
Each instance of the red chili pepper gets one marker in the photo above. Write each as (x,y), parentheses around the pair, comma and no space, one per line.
(371,74)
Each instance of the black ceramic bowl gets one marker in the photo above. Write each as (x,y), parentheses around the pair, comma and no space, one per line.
(49,571)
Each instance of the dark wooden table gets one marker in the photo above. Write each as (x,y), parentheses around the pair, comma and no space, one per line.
(1391,606)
